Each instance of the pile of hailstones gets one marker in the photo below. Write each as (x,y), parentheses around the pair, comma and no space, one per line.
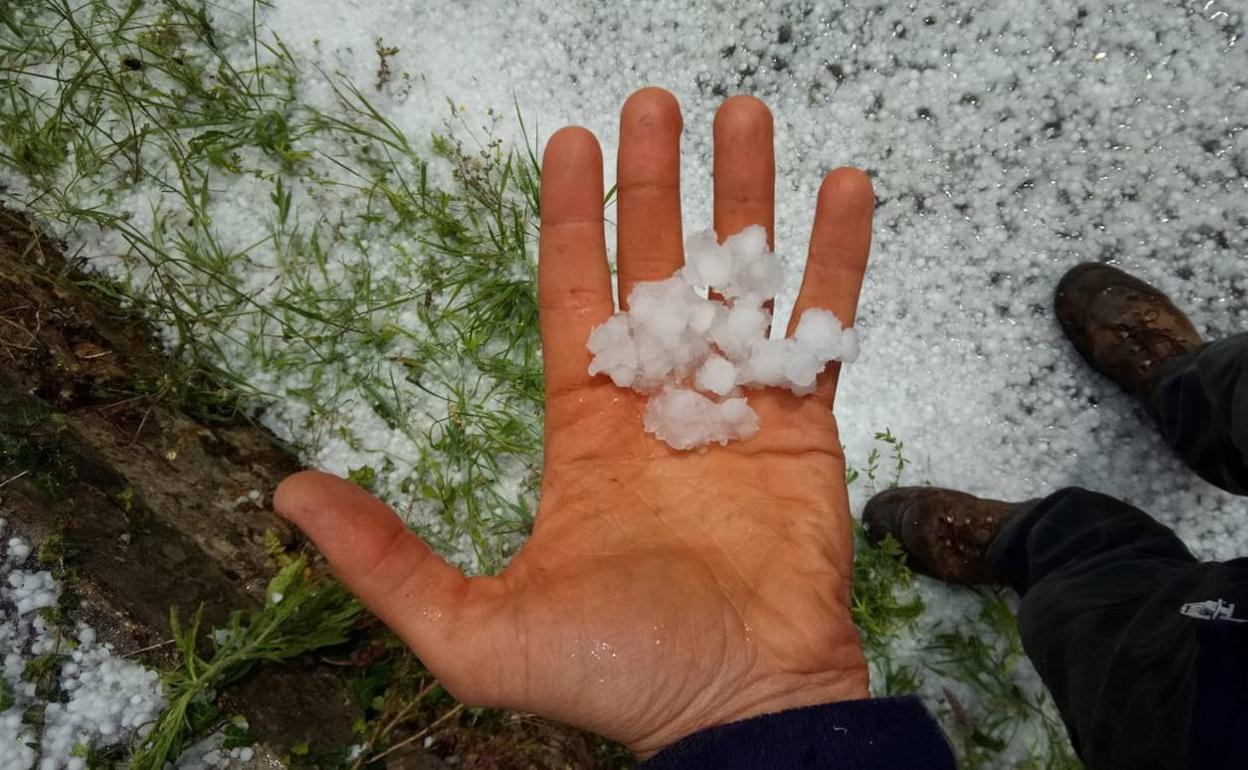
(694,356)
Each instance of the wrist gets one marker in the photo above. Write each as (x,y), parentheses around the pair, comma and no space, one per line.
(876,732)
(781,692)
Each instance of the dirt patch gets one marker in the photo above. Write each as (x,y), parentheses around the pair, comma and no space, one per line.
(161,510)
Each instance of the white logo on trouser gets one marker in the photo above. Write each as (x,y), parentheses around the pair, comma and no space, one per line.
(1211,609)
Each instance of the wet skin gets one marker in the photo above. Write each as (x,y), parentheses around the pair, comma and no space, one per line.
(661,592)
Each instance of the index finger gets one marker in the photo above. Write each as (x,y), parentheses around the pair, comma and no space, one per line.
(573,278)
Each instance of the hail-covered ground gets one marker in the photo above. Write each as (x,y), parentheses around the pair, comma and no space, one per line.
(1007,143)
(63,692)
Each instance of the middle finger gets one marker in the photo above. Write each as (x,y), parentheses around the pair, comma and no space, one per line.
(649,238)
(744,168)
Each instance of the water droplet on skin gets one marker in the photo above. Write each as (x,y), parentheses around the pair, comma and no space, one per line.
(601,650)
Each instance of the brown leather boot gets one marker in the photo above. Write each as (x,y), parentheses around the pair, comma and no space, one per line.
(1126,329)
(944,533)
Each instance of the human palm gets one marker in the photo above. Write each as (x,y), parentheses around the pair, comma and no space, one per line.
(661,592)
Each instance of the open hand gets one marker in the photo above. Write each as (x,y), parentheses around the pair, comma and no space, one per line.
(661,592)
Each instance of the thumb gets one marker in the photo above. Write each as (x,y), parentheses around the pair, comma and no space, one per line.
(390,569)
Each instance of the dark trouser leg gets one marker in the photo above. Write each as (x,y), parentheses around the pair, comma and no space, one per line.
(1201,403)
(1101,585)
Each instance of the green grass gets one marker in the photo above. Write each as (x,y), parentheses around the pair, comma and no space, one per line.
(398,293)
(302,613)
(297,255)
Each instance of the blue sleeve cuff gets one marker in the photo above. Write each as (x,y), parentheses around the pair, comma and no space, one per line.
(879,733)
